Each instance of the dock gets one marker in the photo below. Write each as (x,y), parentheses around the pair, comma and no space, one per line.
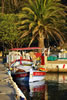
(7,92)
(8,88)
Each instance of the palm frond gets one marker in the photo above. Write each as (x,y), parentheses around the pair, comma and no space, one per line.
(35,30)
(25,21)
(43,17)
(45,1)
(22,27)
(25,33)
(33,37)
(31,25)
(51,34)
(59,36)
(28,9)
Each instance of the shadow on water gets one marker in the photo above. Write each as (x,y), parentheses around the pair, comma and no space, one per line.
(54,87)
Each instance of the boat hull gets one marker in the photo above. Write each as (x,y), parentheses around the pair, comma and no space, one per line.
(30,76)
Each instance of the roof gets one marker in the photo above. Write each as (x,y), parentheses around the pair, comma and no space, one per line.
(28,48)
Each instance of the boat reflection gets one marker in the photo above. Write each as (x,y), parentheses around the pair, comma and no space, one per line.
(57,77)
(34,90)
(54,87)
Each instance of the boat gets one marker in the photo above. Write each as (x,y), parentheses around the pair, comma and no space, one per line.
(30,66)
(30,76)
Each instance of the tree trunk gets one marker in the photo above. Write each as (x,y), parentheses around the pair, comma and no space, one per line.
(15,3)
(3,6)
(41,40)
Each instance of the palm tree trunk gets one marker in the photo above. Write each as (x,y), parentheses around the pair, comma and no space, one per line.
(41,40)
(15,3)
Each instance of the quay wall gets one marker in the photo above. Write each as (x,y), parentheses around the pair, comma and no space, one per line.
(56,66)
(19,93)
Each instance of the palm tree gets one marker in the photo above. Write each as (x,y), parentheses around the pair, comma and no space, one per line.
(42,18)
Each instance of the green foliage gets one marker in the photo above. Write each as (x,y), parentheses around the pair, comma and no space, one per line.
(43,18)
(12,6)
(37,18)
(8,29)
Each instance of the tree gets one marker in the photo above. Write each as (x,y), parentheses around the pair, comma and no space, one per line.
(3,1)
(8,30)
(42,18)
(11,6)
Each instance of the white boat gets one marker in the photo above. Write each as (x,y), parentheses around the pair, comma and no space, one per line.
(30,76)
(23,68)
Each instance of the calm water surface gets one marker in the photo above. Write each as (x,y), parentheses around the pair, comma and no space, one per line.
(54,87)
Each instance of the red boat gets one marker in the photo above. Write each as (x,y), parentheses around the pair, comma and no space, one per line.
(31,76)
(32,68)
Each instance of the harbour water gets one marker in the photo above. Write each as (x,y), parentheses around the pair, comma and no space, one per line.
(53,87)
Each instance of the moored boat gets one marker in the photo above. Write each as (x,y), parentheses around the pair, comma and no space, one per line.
(30,76)
(30,67)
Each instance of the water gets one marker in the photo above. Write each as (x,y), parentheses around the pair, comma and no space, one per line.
(54,87)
